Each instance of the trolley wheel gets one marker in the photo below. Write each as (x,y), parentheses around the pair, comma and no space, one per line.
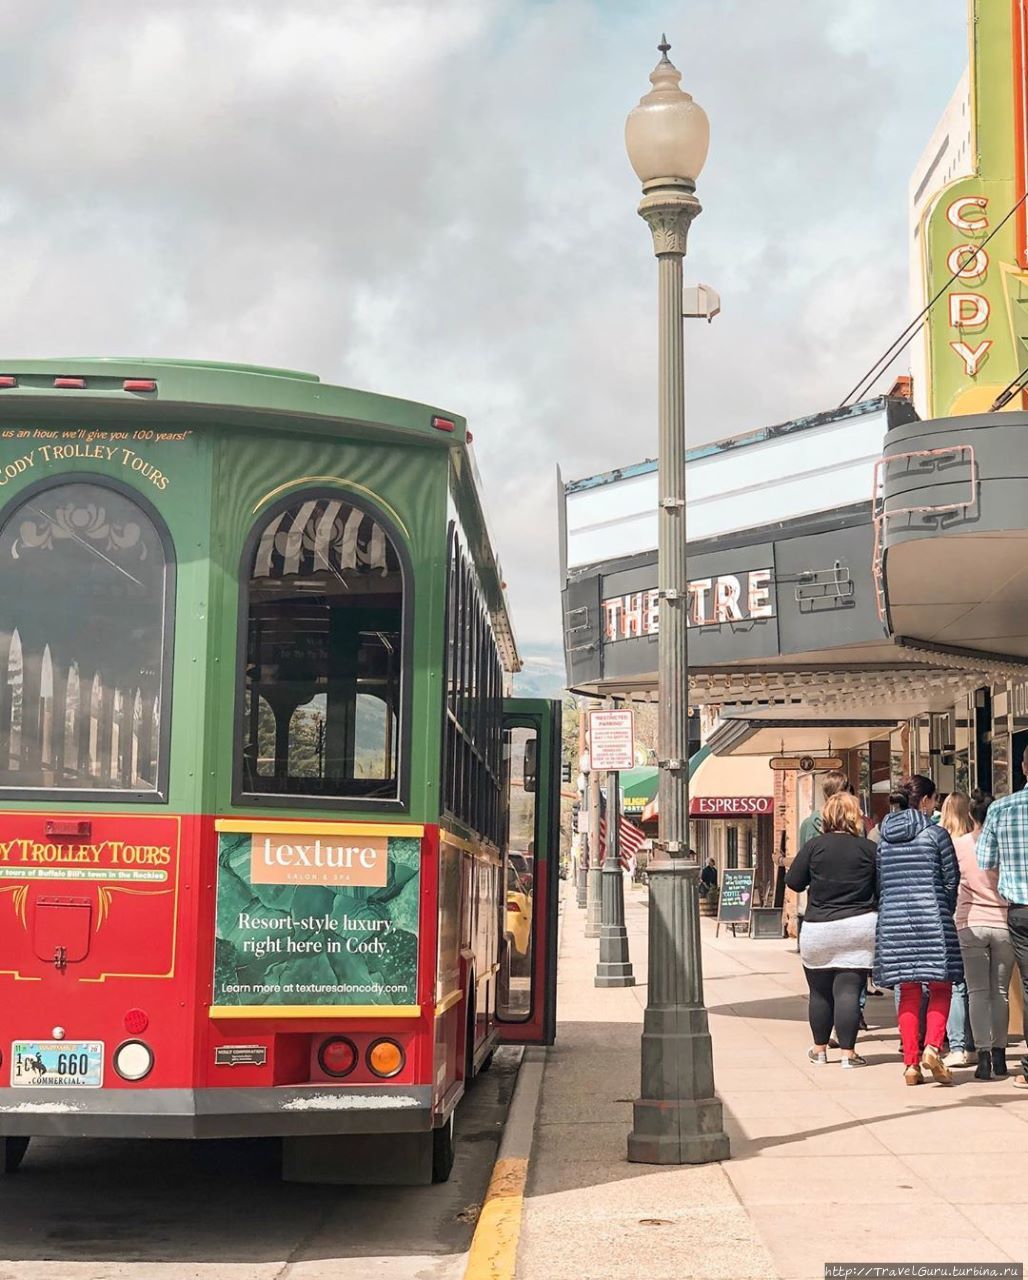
(443,1150)
(12,1152)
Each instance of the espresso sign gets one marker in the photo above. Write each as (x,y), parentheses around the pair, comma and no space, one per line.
(729,597)
(730,806)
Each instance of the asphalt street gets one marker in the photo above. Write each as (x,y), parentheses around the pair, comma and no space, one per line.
(111,1210)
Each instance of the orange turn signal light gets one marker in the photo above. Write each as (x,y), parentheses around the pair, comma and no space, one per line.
(386,1058)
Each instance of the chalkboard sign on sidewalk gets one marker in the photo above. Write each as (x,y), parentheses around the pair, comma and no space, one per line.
(736,899)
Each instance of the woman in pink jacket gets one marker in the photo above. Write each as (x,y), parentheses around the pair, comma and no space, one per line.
(981,920)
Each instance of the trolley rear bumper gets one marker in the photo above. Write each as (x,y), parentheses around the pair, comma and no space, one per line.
(216,1113)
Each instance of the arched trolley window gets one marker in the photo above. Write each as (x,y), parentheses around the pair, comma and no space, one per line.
(86,592)
(325,665)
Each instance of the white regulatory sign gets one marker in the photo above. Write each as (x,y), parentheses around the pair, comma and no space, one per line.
(611,740)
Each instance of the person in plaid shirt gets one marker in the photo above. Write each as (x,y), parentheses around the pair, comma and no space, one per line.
(1003,844)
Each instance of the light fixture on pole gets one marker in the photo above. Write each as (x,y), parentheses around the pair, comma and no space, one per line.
(677,1118)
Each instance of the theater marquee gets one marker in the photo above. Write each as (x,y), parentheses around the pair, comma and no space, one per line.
(726,597)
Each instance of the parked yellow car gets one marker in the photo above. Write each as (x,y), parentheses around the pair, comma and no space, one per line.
(519,919)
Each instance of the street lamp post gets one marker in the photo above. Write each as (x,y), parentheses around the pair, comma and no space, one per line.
(594,874)
(677,1118)
(583,821)
(614,968)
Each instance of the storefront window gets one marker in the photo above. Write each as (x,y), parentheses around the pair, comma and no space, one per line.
(1001,765)
(324,655)
(961,747)
(897,756)
(85,593)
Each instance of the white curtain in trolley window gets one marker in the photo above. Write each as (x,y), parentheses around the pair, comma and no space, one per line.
(324,534)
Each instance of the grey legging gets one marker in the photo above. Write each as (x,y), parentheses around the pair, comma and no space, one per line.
(988,964)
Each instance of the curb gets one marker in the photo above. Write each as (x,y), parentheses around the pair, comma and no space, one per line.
(494,1247)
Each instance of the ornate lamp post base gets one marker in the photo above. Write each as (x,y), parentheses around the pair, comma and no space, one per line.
(677,1117)
(593,901)
(580,894)
(614,968)
(678,1133)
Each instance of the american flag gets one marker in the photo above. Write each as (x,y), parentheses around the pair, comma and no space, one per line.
(630,840)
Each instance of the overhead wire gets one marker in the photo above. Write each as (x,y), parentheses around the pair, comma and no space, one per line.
(914,327)
(1010,390)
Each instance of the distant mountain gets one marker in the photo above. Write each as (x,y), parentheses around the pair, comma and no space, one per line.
(543,673)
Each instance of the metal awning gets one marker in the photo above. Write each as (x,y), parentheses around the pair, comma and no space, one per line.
(717,781)
(748,733)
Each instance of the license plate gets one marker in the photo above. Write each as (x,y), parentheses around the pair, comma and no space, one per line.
(57,1063)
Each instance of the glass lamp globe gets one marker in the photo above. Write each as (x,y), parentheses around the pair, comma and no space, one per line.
(667,134)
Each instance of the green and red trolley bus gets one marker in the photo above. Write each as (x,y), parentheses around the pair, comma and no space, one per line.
(262,791)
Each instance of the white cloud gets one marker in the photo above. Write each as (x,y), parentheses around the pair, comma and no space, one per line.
(431,199)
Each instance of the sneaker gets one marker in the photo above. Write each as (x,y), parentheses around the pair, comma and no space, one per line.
(999,1064)
(959,1058)
(931,1061)
(856,1061)
(984,1068)
(819,1059)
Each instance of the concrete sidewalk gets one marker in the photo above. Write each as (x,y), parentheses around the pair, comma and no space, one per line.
(827,1165)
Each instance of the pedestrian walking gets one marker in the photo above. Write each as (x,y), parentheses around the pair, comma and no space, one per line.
(956,818)
(832,783)
(988,953)
(917,938)
(1003,846)
(837,869)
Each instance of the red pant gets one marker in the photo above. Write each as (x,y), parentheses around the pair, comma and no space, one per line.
(909,1017)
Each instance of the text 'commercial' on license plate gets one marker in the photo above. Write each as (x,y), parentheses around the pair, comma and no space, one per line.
(57,1063)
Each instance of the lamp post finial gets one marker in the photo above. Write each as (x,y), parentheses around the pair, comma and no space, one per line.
(664,48)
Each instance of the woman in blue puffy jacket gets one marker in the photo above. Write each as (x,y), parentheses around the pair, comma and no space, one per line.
(916,942)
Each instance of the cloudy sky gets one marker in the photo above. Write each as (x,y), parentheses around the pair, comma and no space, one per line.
(431,199)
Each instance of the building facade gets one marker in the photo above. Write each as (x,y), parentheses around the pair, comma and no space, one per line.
(858,579)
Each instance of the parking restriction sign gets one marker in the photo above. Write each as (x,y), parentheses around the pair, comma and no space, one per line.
(612,740)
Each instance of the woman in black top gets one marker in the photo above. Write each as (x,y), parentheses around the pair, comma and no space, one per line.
(837,940)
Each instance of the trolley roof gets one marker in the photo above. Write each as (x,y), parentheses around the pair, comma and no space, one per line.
(163,392)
